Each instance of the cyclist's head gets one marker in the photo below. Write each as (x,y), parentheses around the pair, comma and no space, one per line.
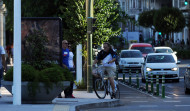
(107,46)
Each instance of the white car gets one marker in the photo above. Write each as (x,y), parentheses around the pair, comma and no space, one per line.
(166,50)
(130,59)
(160,64)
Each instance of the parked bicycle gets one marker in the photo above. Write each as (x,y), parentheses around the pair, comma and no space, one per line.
(102,86)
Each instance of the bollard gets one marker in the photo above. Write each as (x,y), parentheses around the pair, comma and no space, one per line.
(137,78)
(123,76)
(129,76)
(152,86)
(163,86)
(147,81)
(157,85)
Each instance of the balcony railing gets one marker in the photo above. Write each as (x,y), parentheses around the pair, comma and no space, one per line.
(134,11)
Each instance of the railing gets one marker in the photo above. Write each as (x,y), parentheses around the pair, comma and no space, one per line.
(134,11)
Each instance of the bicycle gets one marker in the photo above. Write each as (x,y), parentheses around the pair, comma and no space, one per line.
(102,87)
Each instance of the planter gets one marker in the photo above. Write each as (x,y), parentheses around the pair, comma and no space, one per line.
(41,95)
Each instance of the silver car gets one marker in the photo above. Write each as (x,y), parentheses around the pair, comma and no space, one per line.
(130,60)
(187,80)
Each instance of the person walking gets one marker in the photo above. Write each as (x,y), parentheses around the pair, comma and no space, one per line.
(2,65)
(108,57)
(65,63)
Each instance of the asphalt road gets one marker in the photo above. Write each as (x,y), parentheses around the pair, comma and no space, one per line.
(175,97)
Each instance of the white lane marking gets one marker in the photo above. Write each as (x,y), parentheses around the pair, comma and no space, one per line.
(136,97)
(182,105)
(149,106)
(61,108)
(165,96)
(139,101)
(182,97)
(172,101)
(138,90)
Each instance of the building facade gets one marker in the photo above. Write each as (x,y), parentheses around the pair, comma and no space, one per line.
(134,7)
(184,35)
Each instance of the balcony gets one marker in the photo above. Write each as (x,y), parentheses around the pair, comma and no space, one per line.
(134,11)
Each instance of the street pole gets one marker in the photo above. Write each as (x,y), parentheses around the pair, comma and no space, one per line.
(89,13)
(17,54)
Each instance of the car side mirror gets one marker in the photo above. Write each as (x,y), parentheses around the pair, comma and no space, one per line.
(178,62)
(175,52)
(188,67)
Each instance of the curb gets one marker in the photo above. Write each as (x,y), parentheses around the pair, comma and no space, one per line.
(111,103)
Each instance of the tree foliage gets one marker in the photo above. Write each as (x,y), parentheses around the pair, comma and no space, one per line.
(73,16)
(108,15)
(165,20)
(168,20)
(146,18)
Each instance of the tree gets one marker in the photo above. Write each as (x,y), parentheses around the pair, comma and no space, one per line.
(108,15)
(146,18)
(73,15)
(168,20)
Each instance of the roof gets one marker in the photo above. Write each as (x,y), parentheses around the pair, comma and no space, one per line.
(159,54)
(140,44)
(130,50)
(162,48)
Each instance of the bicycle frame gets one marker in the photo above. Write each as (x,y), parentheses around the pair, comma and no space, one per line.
(105,84)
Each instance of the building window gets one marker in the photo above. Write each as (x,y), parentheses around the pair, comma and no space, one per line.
(181,3)
(139,3)
(123,6)
(133,3)
(175,3)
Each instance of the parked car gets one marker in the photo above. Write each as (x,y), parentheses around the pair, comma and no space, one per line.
(166,50)
(130,59)
(187,80)
(145,48)
(160,64)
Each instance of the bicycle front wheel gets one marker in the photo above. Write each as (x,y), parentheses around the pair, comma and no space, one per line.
(100,89)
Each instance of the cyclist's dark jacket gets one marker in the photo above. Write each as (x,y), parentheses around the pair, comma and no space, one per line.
(102,54)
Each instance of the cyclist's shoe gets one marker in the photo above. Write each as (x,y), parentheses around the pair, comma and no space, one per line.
(113,95)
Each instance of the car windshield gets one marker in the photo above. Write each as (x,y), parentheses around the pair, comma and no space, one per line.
(131,54)
(164,51)
(160,59)
(144,50)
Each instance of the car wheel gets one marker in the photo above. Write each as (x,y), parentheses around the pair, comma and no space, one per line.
(176,80)
(187,90)
(119,70)
(143,80)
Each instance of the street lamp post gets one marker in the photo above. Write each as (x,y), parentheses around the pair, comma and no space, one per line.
(89,13)
(17,54)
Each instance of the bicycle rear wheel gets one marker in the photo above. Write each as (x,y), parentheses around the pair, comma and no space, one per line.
(99,88)
(117,93)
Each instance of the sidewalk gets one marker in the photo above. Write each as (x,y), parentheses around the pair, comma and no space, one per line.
(82,100)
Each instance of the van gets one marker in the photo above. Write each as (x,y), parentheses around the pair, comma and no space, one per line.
(145,48)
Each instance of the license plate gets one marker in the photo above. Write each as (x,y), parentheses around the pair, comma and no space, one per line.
(132,65)
(161,72)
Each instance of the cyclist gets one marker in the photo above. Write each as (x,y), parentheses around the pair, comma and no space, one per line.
(108,57)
